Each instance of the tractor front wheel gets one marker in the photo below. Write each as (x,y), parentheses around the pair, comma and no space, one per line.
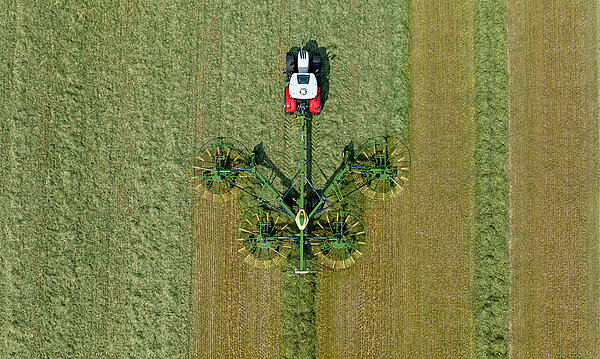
(290,63)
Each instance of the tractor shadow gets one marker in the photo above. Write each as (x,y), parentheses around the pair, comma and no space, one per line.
(312,46)
(263,159)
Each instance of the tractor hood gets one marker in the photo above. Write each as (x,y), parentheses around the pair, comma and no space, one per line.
(303,61)
(303,86)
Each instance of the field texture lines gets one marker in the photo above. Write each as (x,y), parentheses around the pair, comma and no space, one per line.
(369,56)
(491,251)
(433,221)
(95,223)
(237,307)
(409,297)
(554,154)
(491,280)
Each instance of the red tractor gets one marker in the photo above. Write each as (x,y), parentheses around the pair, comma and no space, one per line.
(302,88)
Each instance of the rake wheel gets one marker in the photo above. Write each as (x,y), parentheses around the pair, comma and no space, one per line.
(385,165)
(214,170)
(262,238)
(340,240)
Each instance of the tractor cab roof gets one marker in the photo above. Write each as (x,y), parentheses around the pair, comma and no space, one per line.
(303,86)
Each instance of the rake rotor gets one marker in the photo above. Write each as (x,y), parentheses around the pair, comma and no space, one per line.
(217,168)
(383,163)
(339,239)
(264,238)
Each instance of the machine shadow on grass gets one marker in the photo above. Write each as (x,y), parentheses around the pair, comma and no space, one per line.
(290,199)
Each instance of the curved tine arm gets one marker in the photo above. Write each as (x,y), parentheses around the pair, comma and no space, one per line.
(334,187)
(284,208)
(266,184)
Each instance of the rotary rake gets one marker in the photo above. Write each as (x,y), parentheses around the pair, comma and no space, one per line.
(339,239)
(224,168)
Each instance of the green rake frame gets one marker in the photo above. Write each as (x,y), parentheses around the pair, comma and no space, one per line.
(224,168)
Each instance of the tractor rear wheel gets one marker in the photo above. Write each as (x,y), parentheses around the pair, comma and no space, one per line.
(316,63)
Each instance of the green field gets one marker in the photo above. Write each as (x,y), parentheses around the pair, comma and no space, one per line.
(97,128)
(106,251)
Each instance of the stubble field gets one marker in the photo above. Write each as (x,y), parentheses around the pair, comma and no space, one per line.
(555,242)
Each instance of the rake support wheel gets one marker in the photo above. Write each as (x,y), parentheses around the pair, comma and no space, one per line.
(340,239)
(216,169)
(264,238)
(383,164)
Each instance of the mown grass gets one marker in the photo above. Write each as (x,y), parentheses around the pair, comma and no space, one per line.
(96,127)
(491,181)
(298,333)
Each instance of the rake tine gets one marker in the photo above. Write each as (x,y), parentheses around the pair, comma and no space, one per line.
(201,168)
(247,231)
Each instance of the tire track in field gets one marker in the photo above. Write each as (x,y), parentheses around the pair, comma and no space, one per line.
(257,308)
(207,281)
(554,152)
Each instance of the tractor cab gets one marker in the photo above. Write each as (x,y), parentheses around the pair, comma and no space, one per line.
(303,86)
(302,91)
